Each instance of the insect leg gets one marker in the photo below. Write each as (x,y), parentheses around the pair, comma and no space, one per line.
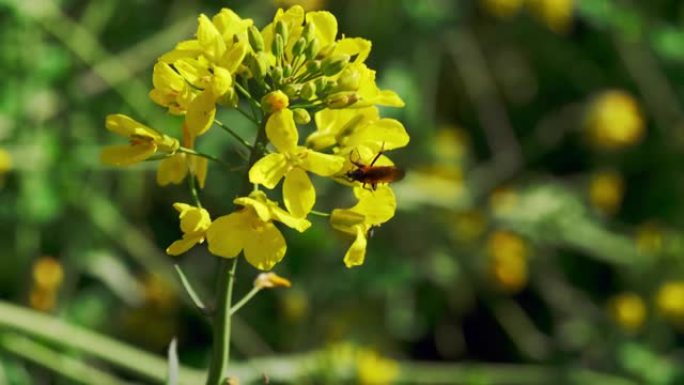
(378,155)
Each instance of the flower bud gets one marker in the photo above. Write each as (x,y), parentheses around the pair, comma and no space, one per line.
(255,39)
(271,280)
(274,101)
(261,64)
(291,90)
(277,74)
(301,116)
(333,65)
(309,31)
(312,49)
(308,91)
(321,86)
(349,80)
(313,67)
(327,50)
(287,70)
(278,46)
(341,100)
(281,29)
(299,47)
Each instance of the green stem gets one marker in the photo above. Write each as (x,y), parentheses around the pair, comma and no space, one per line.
(203,155)
(246,115)
(319,213)
(234,134)
(244,300)
(60,333)
(218,369)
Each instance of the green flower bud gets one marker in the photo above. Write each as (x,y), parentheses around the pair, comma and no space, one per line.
(258,64)
(349,80)
(291,90)
(255,39)
(333,65)
(321,86)
(341,100)
(281,29)
(309,32)
(308,91)
(299,47)
(301,116)
(327,50)
(278,46)
(277,74)
(274,101)
(313,67)
(312,49)
(287,70)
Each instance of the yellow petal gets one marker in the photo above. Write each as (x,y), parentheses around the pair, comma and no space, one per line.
(357,251)
(126,126)
(234,56)
(265,248)
(124,155)
(385,134)
(210,38)
(326,26)
(226,235)
(193,71)
(346,220)
(221,82)
(282,131)
(258,202)
(268,170)
(289,220)
(354,46)
(200,167)
(388,98)
(172,170)
(299,194)
(194,220)
(230,24)
(166,79)
(378,206)
(184,244)
(201,113)
(322,164)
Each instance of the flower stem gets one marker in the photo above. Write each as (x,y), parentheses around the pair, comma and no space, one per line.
(244,300)
(203,155)
(218,369)
(234,134)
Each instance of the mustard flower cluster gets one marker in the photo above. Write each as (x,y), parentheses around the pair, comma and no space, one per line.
(279,77)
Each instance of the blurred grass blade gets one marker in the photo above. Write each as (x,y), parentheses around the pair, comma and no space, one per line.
(174,365)
(63,334)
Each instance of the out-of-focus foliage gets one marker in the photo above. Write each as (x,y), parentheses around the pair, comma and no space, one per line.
(539,224)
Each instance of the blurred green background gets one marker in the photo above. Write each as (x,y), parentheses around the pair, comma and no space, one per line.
(538,234)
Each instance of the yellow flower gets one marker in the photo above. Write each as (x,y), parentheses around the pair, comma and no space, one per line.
(197,73)
(502,8)
(48,273)
(359,130)
(606,190)
(144,142)
(373,369)
(373,209)
(175,168)
(367,93)
(670,301)
(292,161)
(614,121)
(194,222)
(251,229)
(508,257)
(5,161)
(649,238)
(308,5)
(555,14)
(628,311)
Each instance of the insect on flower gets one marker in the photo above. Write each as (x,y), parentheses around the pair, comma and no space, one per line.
(372,175)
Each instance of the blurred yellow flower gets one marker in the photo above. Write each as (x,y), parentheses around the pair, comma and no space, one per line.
(194,222)
(670,301)
(373,369)
(450,145)
(649,238)
(508,260)
(295,304)
(144,142)
(606,190)
(42,300)
(503,199)
(614,121)
(292,161)
(502,8)
(469,225)
(628,311)
(5,161)
(48,273)
(373,209)
(557,15)
(251,229)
